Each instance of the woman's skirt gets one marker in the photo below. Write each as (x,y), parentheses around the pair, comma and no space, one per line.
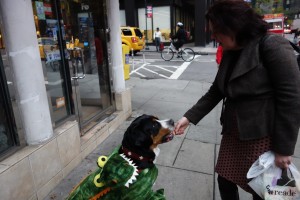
(236,156)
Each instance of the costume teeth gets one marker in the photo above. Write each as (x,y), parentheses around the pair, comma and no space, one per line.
(135,172)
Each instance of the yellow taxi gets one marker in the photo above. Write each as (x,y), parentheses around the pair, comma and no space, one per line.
(133,38)
(46,44)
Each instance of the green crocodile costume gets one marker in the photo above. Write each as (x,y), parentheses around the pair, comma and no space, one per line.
(118,179)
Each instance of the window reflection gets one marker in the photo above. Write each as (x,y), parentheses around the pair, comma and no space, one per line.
(161,19)
(47,31)
(85,37)
(7,134)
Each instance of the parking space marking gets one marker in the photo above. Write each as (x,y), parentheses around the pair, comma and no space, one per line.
(175,74)
(135,70)
(162,68)
(181,69)
(155,72)
(140,74)
(205,60)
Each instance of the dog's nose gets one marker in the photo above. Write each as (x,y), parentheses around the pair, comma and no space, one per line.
(172,122)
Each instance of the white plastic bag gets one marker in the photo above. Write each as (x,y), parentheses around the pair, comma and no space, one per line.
(272,183)
(280,184)
(261,164)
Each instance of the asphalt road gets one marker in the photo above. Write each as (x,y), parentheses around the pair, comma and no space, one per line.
(150,65)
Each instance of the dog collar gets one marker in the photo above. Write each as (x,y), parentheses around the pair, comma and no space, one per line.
(135,156)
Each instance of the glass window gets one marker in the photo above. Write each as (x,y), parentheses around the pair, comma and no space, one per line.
(85,24)
(122,18)
(48,33)
(161,18)
(1,41)
(142,24)
(8,135)
(138,33)
(126,32)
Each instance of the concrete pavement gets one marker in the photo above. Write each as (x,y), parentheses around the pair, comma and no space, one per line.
(208,49)
(186,164)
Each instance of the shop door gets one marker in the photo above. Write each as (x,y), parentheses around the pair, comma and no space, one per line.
(84,32)
(73,42)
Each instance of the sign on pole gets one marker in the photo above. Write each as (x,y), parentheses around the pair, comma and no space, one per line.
(149,12)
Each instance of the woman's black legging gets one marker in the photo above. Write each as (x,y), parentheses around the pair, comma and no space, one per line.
(229,190)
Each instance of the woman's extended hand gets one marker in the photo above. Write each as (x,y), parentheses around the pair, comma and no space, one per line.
(282,161)
(181,126)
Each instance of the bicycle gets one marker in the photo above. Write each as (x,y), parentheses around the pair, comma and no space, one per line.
(187,54)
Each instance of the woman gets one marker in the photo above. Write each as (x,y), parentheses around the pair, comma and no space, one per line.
(259,82)
(157,38)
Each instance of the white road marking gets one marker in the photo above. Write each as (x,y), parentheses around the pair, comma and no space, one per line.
(181,69)
(162,68)
(155,72)
(205,60)
(141,67)
(140,74)
(148,60)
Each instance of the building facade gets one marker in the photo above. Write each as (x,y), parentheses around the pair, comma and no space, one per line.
(62,89)
(150,14)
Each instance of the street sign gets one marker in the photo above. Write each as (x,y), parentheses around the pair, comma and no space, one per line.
(149,12)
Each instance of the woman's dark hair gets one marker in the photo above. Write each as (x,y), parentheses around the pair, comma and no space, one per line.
(236,18)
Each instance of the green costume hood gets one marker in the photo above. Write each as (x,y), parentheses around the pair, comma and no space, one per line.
(118,179)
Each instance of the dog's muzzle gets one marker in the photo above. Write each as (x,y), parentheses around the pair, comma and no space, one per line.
(168,138)
(169,124)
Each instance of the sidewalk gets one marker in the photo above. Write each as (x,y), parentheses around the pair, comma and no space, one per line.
(186,164)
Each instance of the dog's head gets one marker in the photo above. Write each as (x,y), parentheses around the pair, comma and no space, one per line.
(148,131)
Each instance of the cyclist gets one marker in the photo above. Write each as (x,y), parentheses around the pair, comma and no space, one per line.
(180,36)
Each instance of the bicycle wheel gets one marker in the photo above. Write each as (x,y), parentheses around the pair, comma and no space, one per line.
(187,54)
(167,54)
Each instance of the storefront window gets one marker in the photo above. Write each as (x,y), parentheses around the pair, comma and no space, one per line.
(161,19)
(48,33)
(122,18)
(8,135)
(73,51)
(86,40)
(1,41)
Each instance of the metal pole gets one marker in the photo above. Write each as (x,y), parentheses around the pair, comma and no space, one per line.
(147,48)
(144,57)
(132,56)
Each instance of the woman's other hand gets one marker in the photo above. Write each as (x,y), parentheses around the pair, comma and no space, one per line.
(282,161)
(181,125)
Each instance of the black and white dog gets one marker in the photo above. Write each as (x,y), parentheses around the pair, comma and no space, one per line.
(129,172)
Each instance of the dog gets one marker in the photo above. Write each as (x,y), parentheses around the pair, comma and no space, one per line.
(129,172)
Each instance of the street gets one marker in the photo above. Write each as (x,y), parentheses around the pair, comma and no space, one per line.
(150,65)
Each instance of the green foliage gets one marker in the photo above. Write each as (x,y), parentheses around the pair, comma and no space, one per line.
(263,1)
(278,10)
